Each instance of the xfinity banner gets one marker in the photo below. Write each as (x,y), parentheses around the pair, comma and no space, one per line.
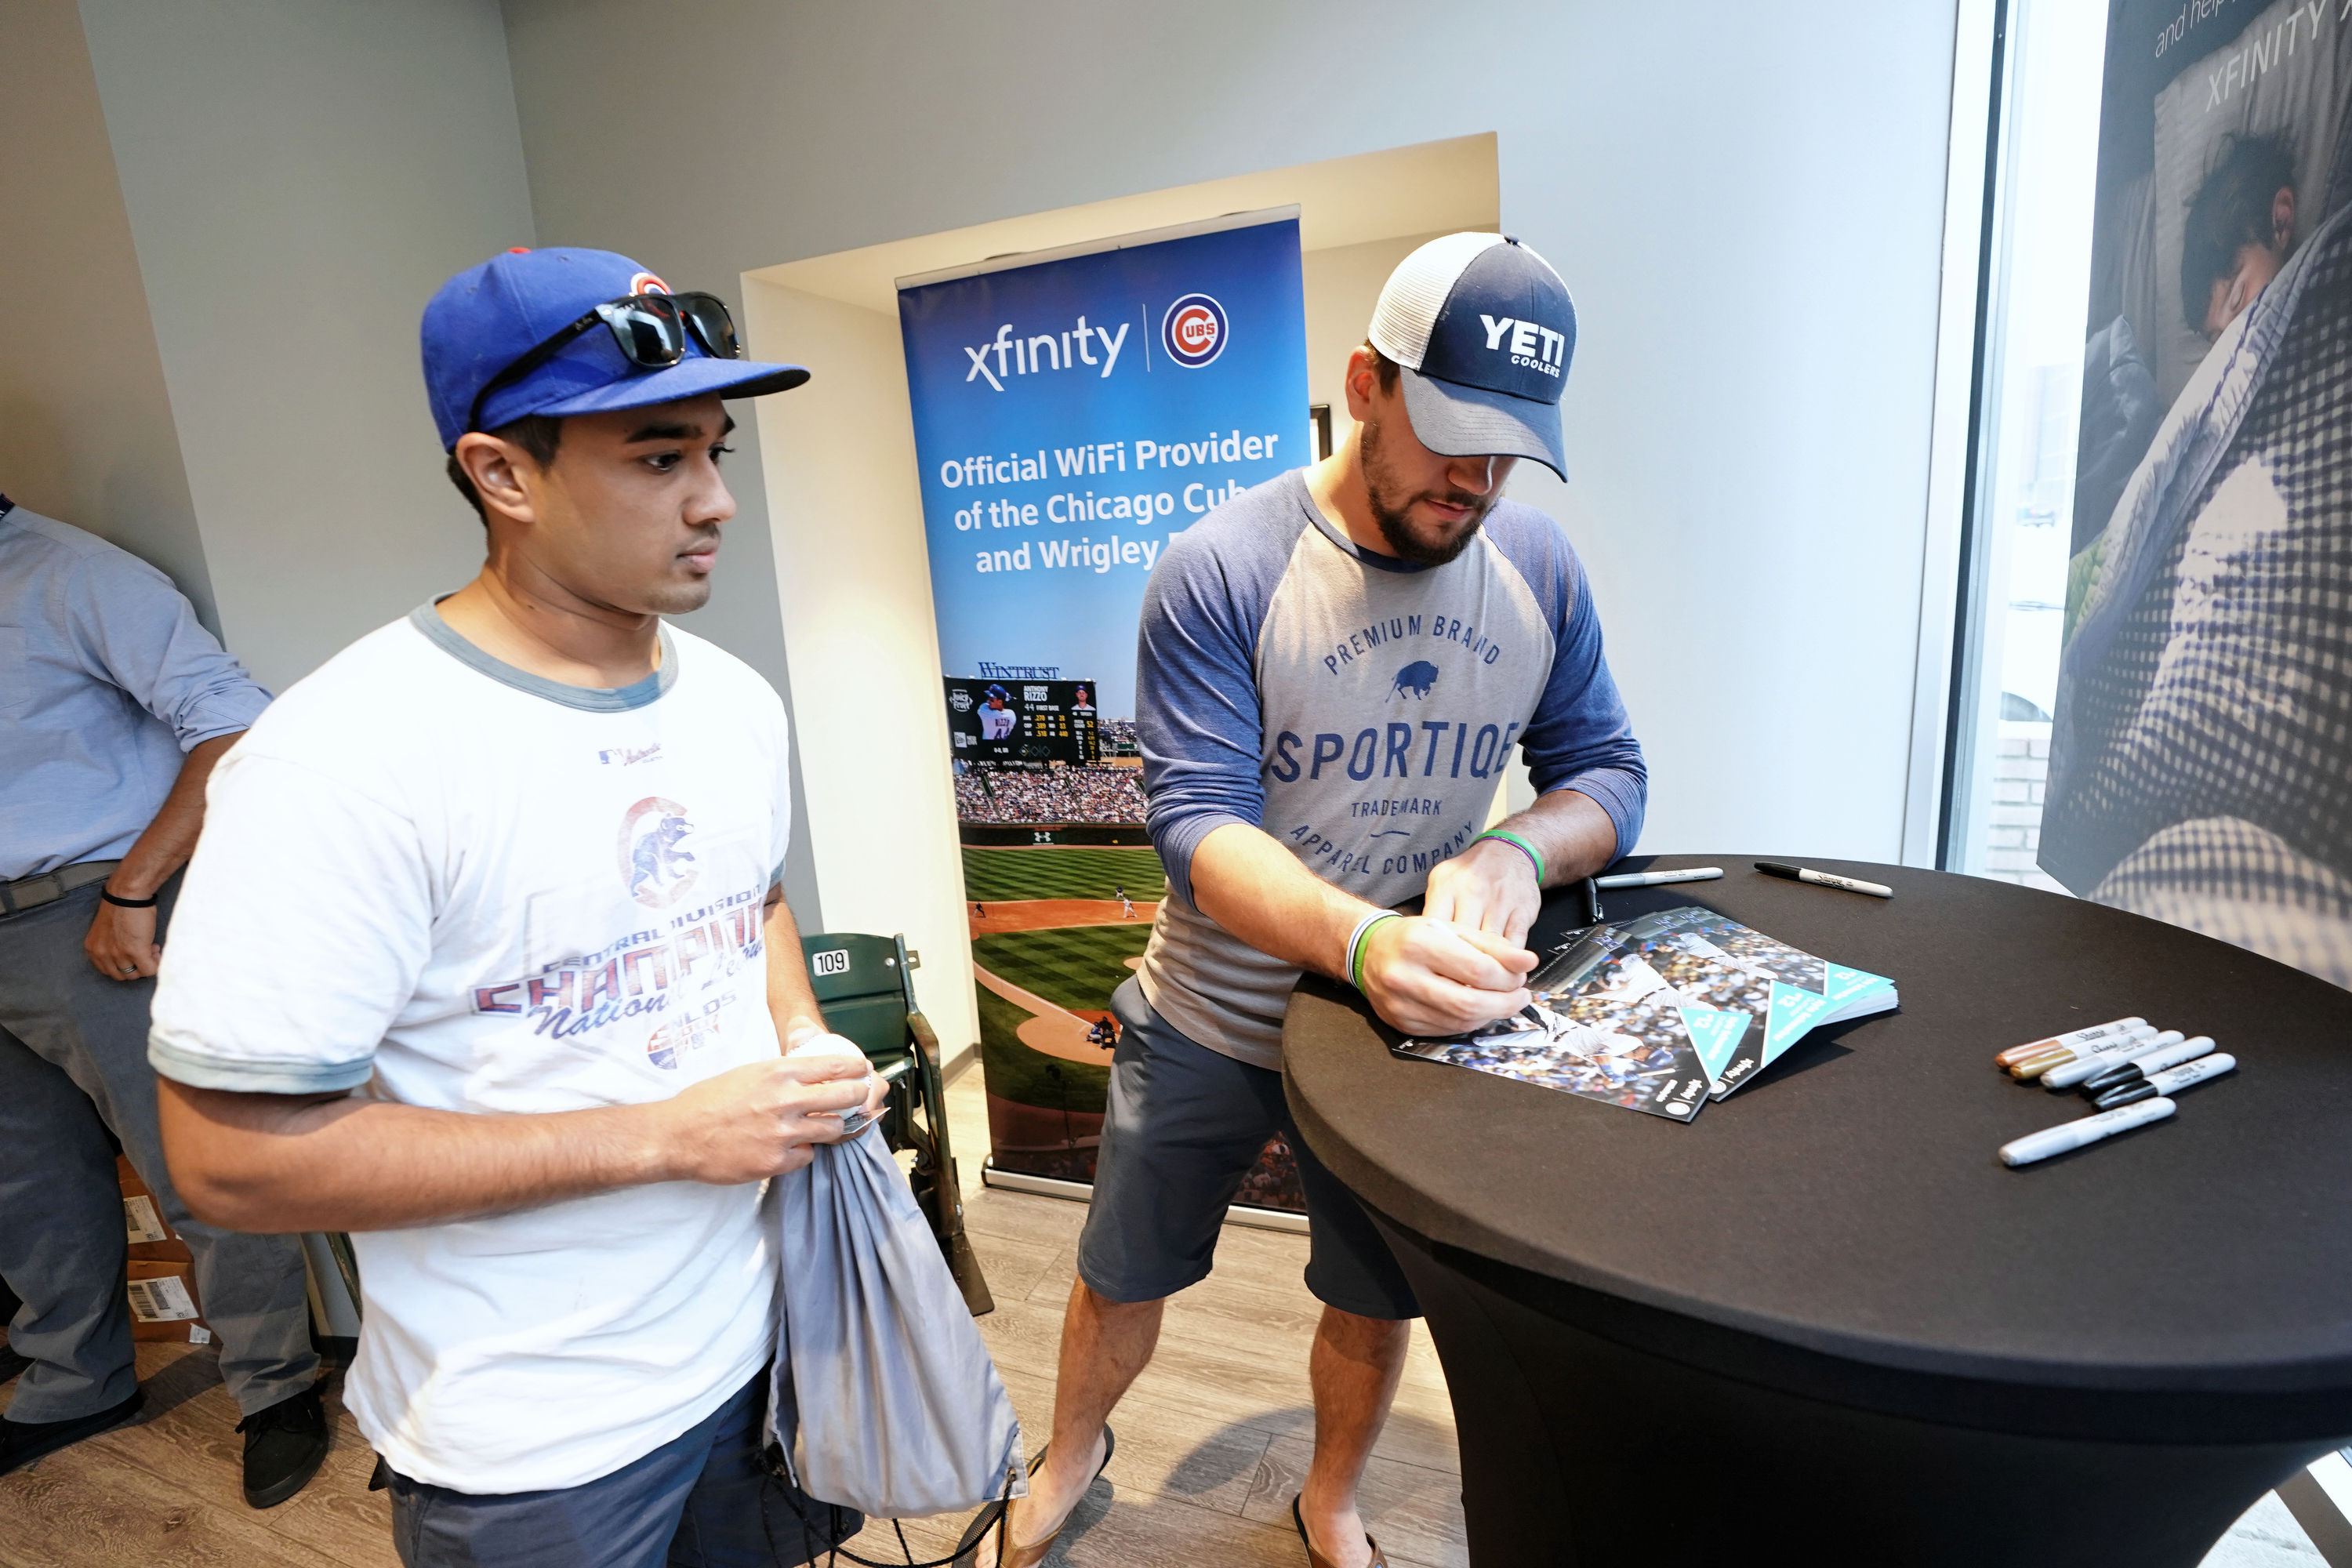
(1074,410)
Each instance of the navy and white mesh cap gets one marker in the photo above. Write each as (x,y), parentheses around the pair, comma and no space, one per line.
(1484,330)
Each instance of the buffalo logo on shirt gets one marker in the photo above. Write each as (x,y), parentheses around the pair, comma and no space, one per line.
(1417,678)
(652,864)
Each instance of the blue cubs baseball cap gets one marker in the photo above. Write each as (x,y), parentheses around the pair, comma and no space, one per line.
(1483,330)
(489,316)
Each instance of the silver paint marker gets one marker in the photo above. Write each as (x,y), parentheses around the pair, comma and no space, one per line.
(1658,878)
(2068,1136)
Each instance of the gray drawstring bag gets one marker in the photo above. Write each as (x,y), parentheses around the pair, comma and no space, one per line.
(882,1397)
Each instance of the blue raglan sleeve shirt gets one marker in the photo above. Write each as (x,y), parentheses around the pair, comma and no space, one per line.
(1197,715)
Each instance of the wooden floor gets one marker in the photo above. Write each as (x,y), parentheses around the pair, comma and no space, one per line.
(1212,1441)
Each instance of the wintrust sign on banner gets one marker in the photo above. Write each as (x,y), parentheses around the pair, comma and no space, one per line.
(1073,411)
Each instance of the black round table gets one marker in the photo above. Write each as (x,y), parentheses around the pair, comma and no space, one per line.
(1822,1322)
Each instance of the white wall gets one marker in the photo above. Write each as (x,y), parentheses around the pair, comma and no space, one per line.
(299,176)
(86,432)
(853,585)
(1748,204)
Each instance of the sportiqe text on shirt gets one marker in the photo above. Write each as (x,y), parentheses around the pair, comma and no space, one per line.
(467,888)
(1361,710)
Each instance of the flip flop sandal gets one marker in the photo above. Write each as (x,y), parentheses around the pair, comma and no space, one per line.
(1033,1554)
(1316,1559)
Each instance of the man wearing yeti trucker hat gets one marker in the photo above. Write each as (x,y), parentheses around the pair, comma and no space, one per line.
(484,959)
(1333,671)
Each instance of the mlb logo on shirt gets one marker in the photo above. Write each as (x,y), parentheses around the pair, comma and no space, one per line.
(1193,331)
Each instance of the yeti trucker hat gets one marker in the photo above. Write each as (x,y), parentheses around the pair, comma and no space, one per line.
(562,330)
(1484,329)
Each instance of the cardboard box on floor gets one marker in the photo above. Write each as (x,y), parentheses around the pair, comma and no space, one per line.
(163,1302)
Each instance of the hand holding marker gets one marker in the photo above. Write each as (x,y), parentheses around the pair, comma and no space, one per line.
(2125,1067)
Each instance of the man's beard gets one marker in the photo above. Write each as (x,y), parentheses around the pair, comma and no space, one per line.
(1389,505)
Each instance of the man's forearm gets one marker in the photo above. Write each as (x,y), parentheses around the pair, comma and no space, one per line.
(1571,831)
(788,994)
(1244,880)
(171,838)
(271,1162)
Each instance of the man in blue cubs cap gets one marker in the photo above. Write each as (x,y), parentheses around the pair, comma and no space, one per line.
(474,961)
(1333,672)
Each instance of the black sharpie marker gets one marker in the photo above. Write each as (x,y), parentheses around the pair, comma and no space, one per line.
(1822,879)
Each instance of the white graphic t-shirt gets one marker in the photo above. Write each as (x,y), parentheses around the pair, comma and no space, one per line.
(443,881)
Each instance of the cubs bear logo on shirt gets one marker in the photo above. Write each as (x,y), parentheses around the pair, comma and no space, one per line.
(651,860)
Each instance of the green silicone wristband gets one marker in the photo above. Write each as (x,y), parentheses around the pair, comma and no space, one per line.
(1522,846)
(1363,941)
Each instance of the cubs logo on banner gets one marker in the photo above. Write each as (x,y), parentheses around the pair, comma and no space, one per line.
(1073,412)
(1193,331)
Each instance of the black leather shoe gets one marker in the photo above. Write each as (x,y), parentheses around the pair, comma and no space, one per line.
(284,1446)
(21,1442)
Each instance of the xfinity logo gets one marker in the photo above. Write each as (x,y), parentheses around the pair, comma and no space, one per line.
(1065,350)
(1537,348)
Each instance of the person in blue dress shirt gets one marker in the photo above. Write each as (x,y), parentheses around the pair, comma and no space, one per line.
(114,706)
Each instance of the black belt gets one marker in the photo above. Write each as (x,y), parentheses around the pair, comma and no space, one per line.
(32,892)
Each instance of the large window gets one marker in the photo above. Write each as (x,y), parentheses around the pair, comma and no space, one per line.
(2027,398)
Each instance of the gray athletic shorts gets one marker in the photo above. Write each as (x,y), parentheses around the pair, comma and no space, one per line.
(1184,1125)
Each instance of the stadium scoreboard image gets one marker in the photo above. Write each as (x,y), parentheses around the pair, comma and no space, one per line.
(1022,723)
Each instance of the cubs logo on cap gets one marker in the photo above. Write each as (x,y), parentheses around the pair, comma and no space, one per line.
(1483,329)
(1193,331)
(487,317)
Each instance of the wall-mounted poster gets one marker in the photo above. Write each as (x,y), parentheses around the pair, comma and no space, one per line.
(1073,410)
(2201,758)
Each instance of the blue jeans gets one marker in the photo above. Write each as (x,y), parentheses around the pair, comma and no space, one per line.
(703,1499)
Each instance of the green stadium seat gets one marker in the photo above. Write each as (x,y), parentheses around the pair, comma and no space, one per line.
(866,992)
